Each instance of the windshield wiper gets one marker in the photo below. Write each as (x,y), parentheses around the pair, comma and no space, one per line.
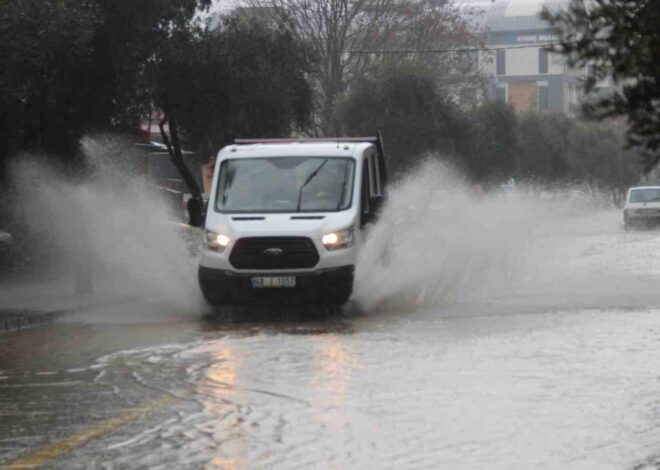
(309,178)
(343,187)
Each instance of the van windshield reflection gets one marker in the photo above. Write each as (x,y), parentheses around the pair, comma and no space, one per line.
(285,184)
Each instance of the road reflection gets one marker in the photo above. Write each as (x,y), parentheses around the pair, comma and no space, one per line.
(224,463)
(332,380)
(300,321)
(222,374)
(264,399)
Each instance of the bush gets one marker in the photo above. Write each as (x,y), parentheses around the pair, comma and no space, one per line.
(403,102)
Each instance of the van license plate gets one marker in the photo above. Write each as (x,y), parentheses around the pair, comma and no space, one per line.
(263,282)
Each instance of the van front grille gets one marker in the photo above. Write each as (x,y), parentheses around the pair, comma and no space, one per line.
(274,253)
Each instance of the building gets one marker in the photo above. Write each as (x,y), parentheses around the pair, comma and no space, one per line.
(518,66)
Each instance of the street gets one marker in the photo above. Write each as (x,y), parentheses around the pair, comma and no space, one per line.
(561,374)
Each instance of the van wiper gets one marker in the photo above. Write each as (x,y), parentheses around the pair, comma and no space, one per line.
(309,178)
(343,187)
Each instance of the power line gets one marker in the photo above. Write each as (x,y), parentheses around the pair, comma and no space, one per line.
(447,51)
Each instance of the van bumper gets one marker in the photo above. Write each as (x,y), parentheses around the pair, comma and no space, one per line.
(330,286)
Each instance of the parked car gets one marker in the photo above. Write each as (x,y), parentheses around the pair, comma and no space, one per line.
(642,207)
(6,239)
(6,250)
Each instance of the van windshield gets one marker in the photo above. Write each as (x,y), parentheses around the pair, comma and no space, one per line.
(645,195)
(285,184)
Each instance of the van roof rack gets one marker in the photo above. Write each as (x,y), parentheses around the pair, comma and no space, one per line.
(290,140)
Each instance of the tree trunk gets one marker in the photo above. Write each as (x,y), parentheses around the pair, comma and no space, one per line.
(195,204)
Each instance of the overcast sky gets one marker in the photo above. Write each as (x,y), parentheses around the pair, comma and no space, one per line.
(223,5)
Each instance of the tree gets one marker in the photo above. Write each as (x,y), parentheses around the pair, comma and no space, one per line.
(128,41)
(350,36)
(249,79)
(618,39)
(595,156)
(436,35)
(45,67)
(495,142)
(67,67)
(403,102)
(544,143)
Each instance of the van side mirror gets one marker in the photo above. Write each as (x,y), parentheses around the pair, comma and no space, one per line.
(195,212)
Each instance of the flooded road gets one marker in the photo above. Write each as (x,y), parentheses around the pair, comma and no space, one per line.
(562,370)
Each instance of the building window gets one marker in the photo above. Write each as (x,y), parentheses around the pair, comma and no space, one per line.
(543,60)
(542,95)
(500,93)
(501,62)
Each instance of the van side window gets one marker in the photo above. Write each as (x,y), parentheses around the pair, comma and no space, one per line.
(372,175)
(365,190)
(376,175)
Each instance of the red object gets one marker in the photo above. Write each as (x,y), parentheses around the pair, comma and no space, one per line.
(143,135)
(211,163)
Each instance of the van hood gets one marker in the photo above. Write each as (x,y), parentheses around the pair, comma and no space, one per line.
(312,225)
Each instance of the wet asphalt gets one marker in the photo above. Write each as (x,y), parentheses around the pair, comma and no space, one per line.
(563,372)
(420,390)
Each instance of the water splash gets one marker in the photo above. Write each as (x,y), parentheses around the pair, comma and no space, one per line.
(110,220)
(441,240)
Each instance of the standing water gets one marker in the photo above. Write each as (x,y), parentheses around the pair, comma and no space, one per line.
(442,242)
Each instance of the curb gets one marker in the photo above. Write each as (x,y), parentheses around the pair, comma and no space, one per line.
(16,319)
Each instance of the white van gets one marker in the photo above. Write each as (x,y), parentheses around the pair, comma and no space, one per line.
(286,218)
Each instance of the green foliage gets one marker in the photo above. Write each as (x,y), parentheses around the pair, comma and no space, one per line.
(495,143)
(45,61)
(406,105)
(68,66)
(619,38)
(544,139)
(128,40)
(247,80)
(340,32)
(596,155)
(490,143)
(559,149)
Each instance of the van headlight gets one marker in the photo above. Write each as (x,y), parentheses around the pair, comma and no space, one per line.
(215,241)
(338,239)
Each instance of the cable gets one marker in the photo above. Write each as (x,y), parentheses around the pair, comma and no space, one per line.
(446,51)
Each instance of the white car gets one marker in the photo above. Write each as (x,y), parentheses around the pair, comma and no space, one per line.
(286,218)
(642,207)
(6,250)
(6,239)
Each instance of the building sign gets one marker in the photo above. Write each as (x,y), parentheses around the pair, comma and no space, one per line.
(524,38)
(536,38)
